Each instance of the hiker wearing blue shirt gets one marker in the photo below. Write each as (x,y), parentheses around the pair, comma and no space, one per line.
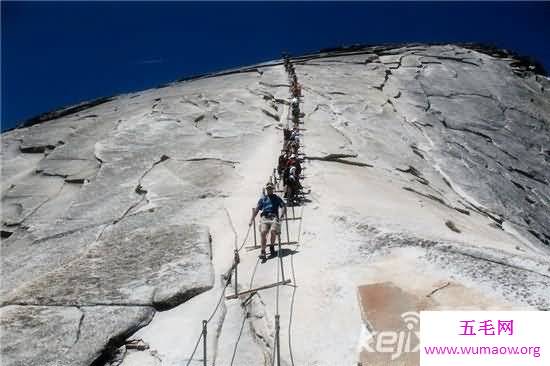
(269,205)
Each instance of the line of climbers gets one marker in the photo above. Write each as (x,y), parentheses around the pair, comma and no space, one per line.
(288,173)
(289,167)
(289,170)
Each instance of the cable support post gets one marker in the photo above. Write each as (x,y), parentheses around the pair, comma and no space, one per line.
(287,231)
(236,257)
(277,343)
(254,224)
(204,332)
(276,350)
(237,260)
(280,260)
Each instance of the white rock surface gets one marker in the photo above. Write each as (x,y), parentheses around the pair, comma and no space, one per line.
(426,164)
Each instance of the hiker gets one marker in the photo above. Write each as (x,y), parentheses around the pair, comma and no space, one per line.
(290,136)
(286,59)
(294,135)
(291,170)
(295,105)
(288,65)
(295,162)
(296,89)
(281,166)
(269,205)
(296,110)
(286,134)
(293,147)
(291,141)
(293,186)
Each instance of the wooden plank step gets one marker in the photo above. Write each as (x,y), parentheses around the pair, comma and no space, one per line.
(299,153)
(234,296)
(254,247)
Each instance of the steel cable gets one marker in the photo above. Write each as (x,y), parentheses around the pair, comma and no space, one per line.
(221,296)
(250,287)
(291,309)
(219,302)
(194,350)
(237,342)
(291,315)
(245,238)
(244,317)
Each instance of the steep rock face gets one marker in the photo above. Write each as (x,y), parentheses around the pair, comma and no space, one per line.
(466,116)
(104,207)
(144,266)
(425,164)
(63,335)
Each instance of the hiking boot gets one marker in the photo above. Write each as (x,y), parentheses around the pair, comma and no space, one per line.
(262,257)
(272,252)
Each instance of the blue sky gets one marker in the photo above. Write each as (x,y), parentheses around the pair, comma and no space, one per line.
(58,53)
